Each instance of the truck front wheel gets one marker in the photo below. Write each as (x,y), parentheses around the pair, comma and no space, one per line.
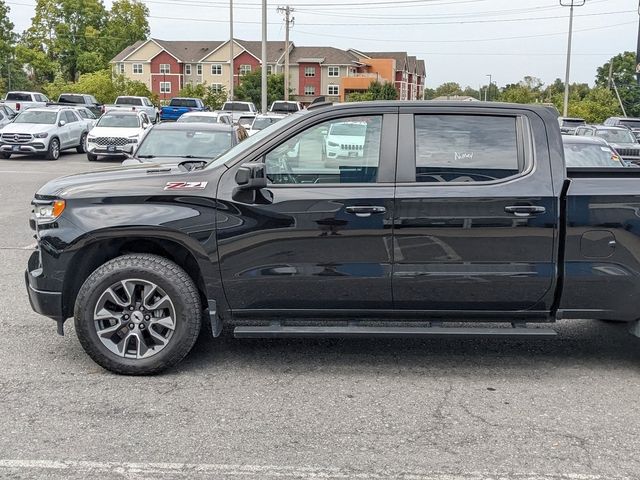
(138,314)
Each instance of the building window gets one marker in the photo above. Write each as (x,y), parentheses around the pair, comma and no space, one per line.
(199,69)
(269,69)
(121,68)
(187,69)
(244,69)
(216,69)
(334,71)
(216,87)
(309,90)
(137,68)
(309,71)
(333,90)
(165,87)
(165,68)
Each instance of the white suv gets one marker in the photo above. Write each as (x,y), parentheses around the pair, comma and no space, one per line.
(346,140)
(45,131)
(117,133)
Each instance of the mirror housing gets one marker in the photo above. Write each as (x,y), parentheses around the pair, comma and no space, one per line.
(62,123)
(251,176)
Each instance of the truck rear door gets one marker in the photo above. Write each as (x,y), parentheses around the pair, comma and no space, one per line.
(476,218)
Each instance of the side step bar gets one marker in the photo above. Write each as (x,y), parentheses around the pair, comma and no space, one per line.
(279,331)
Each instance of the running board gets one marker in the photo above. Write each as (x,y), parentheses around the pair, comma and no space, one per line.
(278,331)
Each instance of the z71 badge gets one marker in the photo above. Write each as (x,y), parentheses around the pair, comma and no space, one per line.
(185,185)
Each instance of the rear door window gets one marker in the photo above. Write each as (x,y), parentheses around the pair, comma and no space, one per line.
(466,148)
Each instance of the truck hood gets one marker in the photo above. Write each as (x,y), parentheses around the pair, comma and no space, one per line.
(27,128)
(149,179)
(115,132)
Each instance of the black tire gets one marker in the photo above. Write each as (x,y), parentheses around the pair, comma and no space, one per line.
(177,285)
(91,157)
(53,153)
(83,141)
(5,155)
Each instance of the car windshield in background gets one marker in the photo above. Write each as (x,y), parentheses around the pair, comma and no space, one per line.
(260,123)
(630,123)
(198,119)
(20,97)
(128,101)
(71,99)
(36,116)
(114,120)
(348,129)
(236,107)
(284,107)
(183,102)
(572,123)
(616,136)
(185,143)
(245,121)
(590,155)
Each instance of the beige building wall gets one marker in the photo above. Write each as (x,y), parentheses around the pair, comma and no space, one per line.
(326,80)
(294,79)
(145,77)
(145,53)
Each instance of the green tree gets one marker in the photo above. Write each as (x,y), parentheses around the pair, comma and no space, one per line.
(376,91)
(599,104)
(448,89)
(429,94)
(11,73)
(61,34)
(624,75)
(127,22)
(250,88)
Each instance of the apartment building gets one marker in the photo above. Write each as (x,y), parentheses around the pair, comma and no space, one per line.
(167,66)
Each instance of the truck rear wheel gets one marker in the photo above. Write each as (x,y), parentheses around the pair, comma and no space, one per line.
(138,314)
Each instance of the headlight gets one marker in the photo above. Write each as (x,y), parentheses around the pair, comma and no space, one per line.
(40,135)
(333,144)
(47,212)
(91,139)
(133,139)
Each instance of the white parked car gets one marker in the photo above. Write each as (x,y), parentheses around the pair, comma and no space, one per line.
(4,119)
(116,133)
(345,139)
(45,131)
(20,101)
(134,104)
(261,122)
(238,109)
(206,117)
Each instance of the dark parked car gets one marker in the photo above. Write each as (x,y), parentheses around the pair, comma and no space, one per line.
(620,138)
(568,125)
(589,152)
(179,106)
(453,211)
(84,100)
(177,142)
(632,124)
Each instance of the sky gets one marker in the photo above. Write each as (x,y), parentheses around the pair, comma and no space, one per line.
(460,40)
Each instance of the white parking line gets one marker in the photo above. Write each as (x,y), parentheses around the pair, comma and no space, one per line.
(28,247)
(188,470)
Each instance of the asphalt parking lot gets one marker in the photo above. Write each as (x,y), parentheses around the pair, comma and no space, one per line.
(448,409)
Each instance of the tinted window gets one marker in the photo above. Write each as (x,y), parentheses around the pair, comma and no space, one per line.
(70,117)
(71,99)
(128,101)
(236,107)
(115,120)
(183,102)
(284,107)
(458,148)
(37,116)
(344,150)
(572,122)
(19,97)
(195,142)
(630,123)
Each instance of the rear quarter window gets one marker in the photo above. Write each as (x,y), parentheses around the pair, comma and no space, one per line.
(466,148)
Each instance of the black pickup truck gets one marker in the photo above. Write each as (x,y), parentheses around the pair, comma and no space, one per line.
(370,219)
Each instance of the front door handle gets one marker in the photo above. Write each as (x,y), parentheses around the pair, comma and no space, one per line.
(365,210)
(525,210)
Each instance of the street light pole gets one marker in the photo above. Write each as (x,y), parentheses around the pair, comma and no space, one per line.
(264,56)
(571,4)
(488,87)
(231,72)
(638,49)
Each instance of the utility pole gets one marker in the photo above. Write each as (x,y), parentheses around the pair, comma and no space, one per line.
(571,4)
(264,56)
(485,92)
(612,83)
(231,72)
(289,21)
(638,49)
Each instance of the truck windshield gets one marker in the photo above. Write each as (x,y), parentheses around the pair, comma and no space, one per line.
(37,116)
(191,143)
(20,97)
(590,155)
(71,99)
(122,121)
(616,136)
(183,102)
(128,101)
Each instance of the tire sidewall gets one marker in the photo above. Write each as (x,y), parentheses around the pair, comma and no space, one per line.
(50,154)
(88,297)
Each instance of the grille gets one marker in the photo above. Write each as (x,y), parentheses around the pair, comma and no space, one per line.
(628,152)
(16,137)
(345,146)
(112,141)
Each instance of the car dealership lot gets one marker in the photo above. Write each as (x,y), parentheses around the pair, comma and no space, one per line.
(371,409)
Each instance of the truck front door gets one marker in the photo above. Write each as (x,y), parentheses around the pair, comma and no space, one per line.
(318,239)
(476,216)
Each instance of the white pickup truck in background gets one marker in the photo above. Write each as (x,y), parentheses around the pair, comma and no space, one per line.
(20,101)
(134,104)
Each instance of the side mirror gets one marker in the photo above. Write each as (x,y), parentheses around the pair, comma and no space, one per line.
(62,123)
(251,176)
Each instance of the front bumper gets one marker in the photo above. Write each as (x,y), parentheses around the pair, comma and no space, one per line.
(33,147)
(109,150)
(44,302)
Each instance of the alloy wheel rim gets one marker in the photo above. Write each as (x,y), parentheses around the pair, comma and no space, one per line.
(134,318)
(56,149)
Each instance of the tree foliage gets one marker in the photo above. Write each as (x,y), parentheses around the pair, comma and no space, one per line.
(624,75)
(376,91)
(211,97)
(126,24)
(250,88)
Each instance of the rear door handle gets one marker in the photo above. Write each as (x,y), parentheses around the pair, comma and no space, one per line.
(525,210)
(365,210)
